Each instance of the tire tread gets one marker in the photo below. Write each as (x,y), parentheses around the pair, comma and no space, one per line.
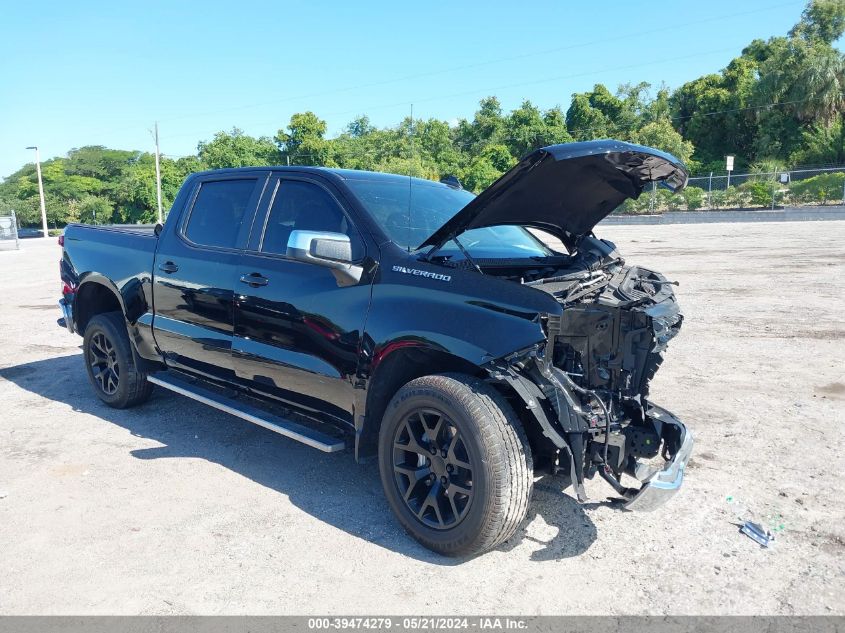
(137,388)
(511,465)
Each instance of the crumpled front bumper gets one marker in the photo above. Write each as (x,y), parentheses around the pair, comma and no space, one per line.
(663,484)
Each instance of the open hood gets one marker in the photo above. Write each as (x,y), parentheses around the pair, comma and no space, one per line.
(566,189)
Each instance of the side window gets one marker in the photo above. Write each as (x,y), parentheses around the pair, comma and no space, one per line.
(218,212)
(304,206)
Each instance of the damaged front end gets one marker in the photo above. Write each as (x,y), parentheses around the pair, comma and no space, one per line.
(587,386)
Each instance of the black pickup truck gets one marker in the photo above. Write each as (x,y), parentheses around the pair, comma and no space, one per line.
(405,319)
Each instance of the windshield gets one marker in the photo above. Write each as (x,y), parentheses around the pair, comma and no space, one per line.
(410,211)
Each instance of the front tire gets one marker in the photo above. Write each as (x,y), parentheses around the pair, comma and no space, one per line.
(110,364)
(455,464)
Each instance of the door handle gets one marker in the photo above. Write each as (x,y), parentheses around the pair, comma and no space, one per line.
(168,267)
(254,280)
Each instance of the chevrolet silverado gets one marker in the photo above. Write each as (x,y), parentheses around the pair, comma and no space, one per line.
(406,320)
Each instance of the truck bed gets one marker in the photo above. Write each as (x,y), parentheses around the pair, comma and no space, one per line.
(119,253)
(138,229)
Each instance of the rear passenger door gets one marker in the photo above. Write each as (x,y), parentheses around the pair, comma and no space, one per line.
(194,273)
(297,328)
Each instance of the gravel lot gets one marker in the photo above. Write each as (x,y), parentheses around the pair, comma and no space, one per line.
(174,508)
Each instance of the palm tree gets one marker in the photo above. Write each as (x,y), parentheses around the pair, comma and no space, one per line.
(808,78)
(821,84)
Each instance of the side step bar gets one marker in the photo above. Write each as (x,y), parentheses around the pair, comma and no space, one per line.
(311,437)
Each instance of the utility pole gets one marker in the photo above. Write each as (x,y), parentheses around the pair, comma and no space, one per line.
(40,189)
(158,177)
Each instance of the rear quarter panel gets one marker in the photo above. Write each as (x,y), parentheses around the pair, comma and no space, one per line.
(120,259)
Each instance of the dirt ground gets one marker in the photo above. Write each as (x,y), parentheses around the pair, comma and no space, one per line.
(174,508)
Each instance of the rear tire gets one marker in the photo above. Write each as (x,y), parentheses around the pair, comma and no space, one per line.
(110,363)
(455,464)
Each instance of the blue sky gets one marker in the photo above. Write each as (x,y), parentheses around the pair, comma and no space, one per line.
(85,73)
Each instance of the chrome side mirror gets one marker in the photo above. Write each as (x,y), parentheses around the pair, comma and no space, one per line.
(324,248)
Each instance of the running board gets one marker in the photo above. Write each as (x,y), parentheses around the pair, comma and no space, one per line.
(294,431)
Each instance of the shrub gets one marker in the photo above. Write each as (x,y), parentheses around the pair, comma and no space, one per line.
(735,198)
(820,189)
(693,197)
(667,200)
(636,207)
(759,192)
(718,198)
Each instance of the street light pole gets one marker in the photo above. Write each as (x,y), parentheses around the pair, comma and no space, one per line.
(40,188)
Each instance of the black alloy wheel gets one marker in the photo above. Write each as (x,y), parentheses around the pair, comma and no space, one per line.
(455,463)
(110,363)
(103,361)
(431,468)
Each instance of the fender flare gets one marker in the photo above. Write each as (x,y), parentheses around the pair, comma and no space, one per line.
(382,375)
(98,280)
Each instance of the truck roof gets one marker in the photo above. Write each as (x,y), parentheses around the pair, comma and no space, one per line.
(342,174)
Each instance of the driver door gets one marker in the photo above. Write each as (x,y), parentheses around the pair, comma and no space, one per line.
(297,329)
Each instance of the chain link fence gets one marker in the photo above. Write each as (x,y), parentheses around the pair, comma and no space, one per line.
(757,190)
(9,231)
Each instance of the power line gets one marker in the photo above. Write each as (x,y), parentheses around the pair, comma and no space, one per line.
(489,89)
(602,41)
(543,80)
(557,49)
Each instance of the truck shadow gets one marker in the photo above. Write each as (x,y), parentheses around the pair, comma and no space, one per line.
(332,488)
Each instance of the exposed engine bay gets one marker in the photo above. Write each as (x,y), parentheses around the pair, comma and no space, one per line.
(589,383)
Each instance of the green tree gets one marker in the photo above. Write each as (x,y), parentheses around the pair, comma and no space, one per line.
(807,78)
(822,20)
(236,149)
(96,161)
(486,167)
(135,195)
(360,127)
(486,128)
(804,77)
(94,210)
(525,130)
(585,122)
(303,143)
(433,140)
(661,135)
(556,130)
(821,144)
(713,111)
